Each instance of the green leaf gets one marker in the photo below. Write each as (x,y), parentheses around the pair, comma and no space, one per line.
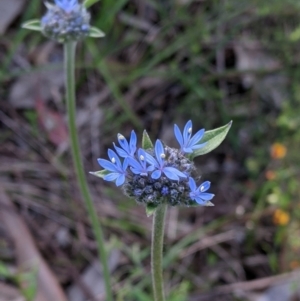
(150,209)
(213,138)
(101,173)
(28,283)
(295,35)
(146,141)
(33,25)
(96,33)
(88,3)
(4,271)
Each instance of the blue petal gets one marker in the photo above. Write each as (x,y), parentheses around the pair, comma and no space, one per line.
(197,137)
(175,171)
(200,201)
(120,180)
(170,174)
(178,135)
(192,196)
(136,171)
(125,163)
(187,150)
(186,134)
(192,184)
(159,150)
(150,168)
(112,155)
(156,174)
(132,142)
(66,5)
(120,152)
(111,177)
(132,162)
(143,163)
(142,153)
(151,160)
(206,196)
(204,186)
(197,146)
(123,142)
(107,165)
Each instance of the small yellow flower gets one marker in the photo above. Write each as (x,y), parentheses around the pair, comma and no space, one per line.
(280,217)
(270,175)
(278,151)
(294,264)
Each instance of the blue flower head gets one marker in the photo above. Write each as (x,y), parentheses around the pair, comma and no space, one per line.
(160,166)
(126,149)
(139,167)
(157,174)
(66,21)
(188,143)
(198,194)
(116,168)
(66,5)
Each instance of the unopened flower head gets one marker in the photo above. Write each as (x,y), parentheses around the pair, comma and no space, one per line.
(165,178)
(158,174)
(66,20)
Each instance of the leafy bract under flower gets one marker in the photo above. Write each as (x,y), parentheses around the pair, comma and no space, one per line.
(66,5)
(188,143)
(160,166)
(126,149)
(198,194)
(116,168)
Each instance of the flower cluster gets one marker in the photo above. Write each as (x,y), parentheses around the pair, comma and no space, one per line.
(66,20)
(159,173)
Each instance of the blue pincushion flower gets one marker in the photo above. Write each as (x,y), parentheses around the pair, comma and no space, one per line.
(117,169)
(157,174)
(160,164)
(126,149)
(66,5)
(198,194)
(67,20)
(139,166)
(188,143)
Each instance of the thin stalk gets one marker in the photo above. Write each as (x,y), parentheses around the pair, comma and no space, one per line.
(69,59)
(157,252)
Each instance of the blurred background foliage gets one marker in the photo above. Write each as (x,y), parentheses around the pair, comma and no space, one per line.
(161,62)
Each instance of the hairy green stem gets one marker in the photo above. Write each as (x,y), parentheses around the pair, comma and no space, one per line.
(157,252)
(69,59)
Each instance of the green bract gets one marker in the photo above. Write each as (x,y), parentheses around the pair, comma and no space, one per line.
(213,139)
(88,3)
(150,209)
(96,33)
(33,25)
(101,173)
(146,141)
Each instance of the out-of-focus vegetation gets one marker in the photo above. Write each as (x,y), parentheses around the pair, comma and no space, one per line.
(161,62)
